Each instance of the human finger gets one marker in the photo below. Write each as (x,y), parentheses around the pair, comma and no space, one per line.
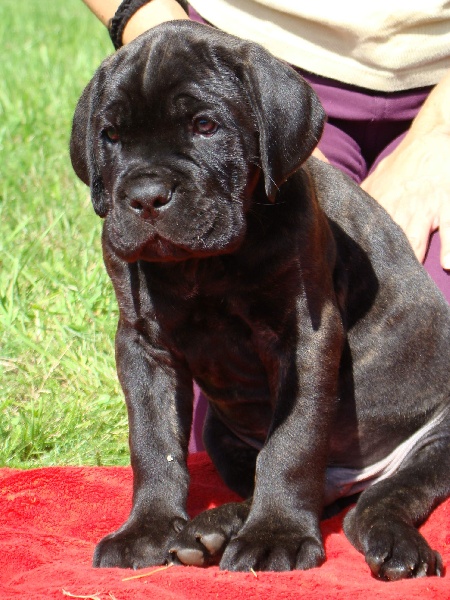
(444,232)
(418,228)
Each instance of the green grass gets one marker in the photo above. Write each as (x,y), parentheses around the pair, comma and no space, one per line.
(60,402)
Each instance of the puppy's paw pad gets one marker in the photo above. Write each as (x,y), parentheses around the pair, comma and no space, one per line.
(203,540)
(207,551)
(213,542)
(187,556)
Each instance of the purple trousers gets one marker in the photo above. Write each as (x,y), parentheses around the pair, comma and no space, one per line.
(363,127)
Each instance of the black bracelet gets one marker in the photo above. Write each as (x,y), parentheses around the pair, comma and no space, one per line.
(124,13)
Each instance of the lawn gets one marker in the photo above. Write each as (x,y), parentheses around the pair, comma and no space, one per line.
(60,401)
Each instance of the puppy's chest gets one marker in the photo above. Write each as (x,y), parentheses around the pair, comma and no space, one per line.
(225,328)
(223,354)
(221,345)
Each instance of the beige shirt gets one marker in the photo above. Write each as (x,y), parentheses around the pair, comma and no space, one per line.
(386,45)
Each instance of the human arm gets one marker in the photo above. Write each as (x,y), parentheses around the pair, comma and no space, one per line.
(413,182)
(151,14)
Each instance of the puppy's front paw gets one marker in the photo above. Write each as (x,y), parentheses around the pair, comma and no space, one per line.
(396,550)
(203,540)
(263,549)
(137,546)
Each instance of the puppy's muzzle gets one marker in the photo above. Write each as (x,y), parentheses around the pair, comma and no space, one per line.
(148,196)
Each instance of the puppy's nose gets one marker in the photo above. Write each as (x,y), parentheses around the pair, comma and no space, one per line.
(148,197)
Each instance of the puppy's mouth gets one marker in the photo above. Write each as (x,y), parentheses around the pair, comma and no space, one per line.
(160,250)
(157,248)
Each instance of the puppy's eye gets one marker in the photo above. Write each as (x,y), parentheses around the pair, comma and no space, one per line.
(111,134)
(204,126)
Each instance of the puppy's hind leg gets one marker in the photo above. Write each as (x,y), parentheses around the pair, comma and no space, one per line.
(234,459)
(383,524)
(203,540)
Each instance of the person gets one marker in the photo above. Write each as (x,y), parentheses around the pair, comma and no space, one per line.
(382,73)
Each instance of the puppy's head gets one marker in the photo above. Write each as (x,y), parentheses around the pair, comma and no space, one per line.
(173,132)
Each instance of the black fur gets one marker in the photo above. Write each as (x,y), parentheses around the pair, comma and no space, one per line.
(284,290)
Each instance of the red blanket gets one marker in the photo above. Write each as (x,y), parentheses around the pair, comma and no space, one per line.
(50,520)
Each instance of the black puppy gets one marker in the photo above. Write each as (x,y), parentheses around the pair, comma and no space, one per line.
(284,290)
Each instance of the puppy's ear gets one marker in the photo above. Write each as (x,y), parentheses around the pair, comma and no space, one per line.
(289,116)
(83,144)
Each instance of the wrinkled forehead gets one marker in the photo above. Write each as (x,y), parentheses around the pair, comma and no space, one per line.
(162,65)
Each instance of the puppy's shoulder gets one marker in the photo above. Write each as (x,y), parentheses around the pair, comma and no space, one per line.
(356,214)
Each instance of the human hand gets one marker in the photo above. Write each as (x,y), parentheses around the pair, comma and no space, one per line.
(413,185)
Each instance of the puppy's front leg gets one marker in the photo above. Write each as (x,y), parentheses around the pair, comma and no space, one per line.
(282,530)
(159,402)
